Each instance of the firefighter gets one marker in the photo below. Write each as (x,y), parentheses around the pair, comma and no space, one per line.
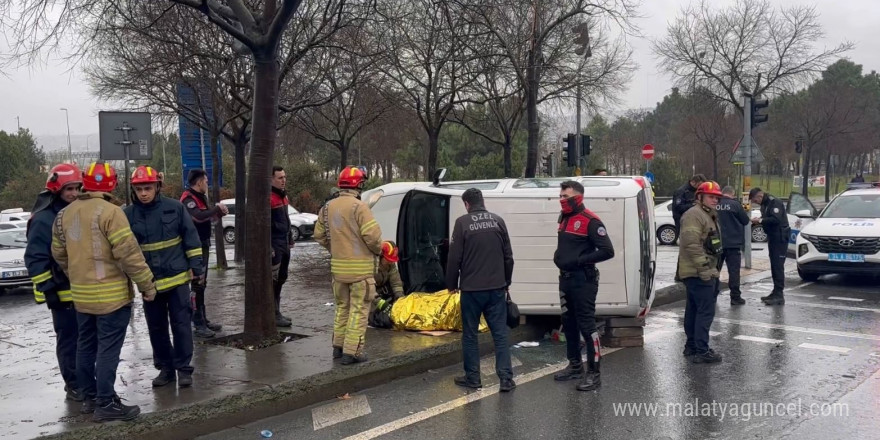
(172,248)
(700,257)
(195,200)
(93,244)
(582,242)
(774,220)
(389,286)
(51,286)
(347,229)
(282,240)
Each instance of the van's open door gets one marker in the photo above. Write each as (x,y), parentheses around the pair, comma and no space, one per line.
(798,204)
(423,239)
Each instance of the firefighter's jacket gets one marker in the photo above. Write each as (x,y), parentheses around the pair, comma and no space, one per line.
(93,243)
(697,224)
(347,229)
(47,276)
(388,282)
(168,239)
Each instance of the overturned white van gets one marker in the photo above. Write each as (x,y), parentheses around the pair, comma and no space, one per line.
(419,216)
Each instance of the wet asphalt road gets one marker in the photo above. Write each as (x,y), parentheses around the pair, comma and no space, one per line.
(807,370)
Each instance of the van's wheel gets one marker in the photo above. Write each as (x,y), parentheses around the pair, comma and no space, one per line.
(758,234)
(807,276)
(294,232)
(229,235)
(667,235)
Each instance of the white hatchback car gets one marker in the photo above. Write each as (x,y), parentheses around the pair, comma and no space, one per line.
(303,222)
(13,272)
(667,234)
(845,237)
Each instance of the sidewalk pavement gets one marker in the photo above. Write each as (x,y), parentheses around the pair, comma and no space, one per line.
(234,386)
(668,291)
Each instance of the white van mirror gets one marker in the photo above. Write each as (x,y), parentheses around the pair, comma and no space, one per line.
(438,176)
(804,213)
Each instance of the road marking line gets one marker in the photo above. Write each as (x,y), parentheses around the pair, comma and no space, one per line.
(833,307)
(825,347)
(712,334)
(340,411)
(801,295)
(790,328)
(464,400)
(757,339)
(842,298)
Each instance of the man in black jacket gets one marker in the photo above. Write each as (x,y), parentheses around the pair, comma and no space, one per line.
(480,264)
(733,219)
(683,199)
(775,223)
(582,242)
(281,240)
(51,286)
(195,200)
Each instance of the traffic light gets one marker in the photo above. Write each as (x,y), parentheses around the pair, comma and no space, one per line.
(586,140)
(570,150)
(757,105)
(582,40)
(798,146)
(547,164)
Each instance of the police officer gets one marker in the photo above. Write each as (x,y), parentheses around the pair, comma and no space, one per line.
(775,223)
(51,286)
(195,200)
(699,260)
(733,219)
(683,199)
(582,242)
(347,229)
(282,240)
(172,249)
(93,244)
(480,264)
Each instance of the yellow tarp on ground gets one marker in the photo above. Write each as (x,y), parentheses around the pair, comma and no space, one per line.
(429,311)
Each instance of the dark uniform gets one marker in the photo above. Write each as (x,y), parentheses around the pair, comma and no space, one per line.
(732,218)
(282,240)
(480,264)
(52,287)
(775,223)
(172,248)
(196,205)
(683,199)
(581,243)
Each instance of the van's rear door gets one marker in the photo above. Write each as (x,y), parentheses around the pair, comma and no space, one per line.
(423,229)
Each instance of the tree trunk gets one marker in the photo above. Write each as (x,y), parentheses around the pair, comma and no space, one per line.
(259,307)
(828,174)
(714,151)
(508,157)
(532,115)
(805,168)
(343,155)
(219,244)
(240,194)
(433,147)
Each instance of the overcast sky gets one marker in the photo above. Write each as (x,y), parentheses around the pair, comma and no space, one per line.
(36,95)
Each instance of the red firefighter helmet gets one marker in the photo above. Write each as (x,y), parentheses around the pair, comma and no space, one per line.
(145,174)
(99,176)
(352,178)
(61,175)
(710,188)
(389,252)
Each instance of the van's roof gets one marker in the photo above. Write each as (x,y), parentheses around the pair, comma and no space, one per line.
(595,186)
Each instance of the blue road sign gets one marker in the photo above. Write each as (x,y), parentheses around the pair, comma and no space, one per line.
(650,176)
(193,138)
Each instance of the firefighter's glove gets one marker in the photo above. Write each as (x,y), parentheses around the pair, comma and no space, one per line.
(149,295)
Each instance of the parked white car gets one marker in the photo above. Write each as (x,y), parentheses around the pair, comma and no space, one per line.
(667,234)
(17,224)
(303,222)
(14,215)
(13,272)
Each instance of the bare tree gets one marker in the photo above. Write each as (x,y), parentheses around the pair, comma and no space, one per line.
(747,47)
(538,40)
(708,120)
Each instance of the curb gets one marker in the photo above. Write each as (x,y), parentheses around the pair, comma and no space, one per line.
(229,411)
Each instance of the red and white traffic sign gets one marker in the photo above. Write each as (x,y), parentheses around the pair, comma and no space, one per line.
(648,151)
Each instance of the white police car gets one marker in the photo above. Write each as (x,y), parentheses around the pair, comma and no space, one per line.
(845,237)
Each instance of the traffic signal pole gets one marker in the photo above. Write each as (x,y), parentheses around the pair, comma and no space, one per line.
(577,140)
(746,145)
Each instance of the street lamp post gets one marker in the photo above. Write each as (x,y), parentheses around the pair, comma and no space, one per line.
(69,149)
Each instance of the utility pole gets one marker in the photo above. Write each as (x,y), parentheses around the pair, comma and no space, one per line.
(746,145)
(18,122)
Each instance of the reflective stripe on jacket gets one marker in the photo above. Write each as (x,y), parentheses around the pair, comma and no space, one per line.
(93,244)
(168,239)
(45,273)
(347,229)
